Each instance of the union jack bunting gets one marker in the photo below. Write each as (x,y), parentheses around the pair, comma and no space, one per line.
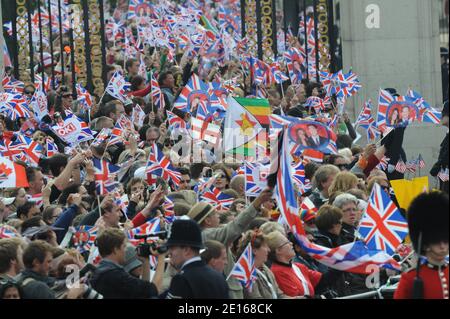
(118,87)
(148,228)
(159,165)
(255,178)
(244,270)
(195,89)
(218,199)
(105,176)
(382,226)
(84,238)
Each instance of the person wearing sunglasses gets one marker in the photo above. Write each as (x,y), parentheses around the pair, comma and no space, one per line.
(185,181)
(220,173)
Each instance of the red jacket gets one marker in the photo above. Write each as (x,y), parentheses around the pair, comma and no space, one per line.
(291,284)
(435,282)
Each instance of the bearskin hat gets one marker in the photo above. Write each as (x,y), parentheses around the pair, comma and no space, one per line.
(428,214)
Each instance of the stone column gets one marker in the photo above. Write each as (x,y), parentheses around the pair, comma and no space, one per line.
(400,51)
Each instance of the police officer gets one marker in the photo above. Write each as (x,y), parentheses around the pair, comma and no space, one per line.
(195,279)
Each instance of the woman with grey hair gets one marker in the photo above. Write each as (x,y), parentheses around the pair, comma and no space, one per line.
(348,204)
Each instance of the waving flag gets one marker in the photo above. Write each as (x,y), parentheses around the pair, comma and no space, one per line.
(101,137)
(365,118)
(118,87)
(32,150)
(73,130)
(294,60)
(148,228)
(84,97)
(244,270)
(298,175)
(342,84)
(382,226)
(157,95)
(158,164)
(8,232)
(12,86)
(39,104)
(218,199)
(316,103)
(421,162)
(400,166)
(51,148)
(84,238)
(384,162)
(12,175)
(412,166)
(432,115)
(195,90)
(105,176)
(255,178)
(138,116)
(442,175)
(175,122)
(14,105)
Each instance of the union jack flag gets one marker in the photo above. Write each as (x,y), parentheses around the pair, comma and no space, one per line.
(279,76)
(372,132)
(148,228)
(84,238)
(194,89)
(158,164)
(298,175)
(105,176)
(255,178)
(157,95)
(103,136)
(114,30)
(353,257)
(294,60)
(14,105)
(51,148)
(83,97)
(12,86)
(36,198)
(118,87)
(432,115)
(315,102)
(383,227)
(31,149)
(8,232)
(218,199)
(384,162)
(343,85)
(175,121)
(244,270)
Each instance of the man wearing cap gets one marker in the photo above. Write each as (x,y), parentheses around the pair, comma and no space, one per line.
(195,280)
(208,219)
(442,162)
(428,223)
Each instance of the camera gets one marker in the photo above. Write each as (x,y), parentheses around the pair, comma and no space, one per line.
(143,250)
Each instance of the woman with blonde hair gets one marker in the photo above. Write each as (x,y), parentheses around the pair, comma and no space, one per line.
(343,182)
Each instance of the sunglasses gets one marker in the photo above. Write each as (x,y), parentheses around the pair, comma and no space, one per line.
(28,92)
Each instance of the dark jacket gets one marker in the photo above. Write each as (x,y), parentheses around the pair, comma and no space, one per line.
(316,198)
(348,233)
(442,163)
(113,282)
(394,151)
(35,286)
(64,221)
(196,280)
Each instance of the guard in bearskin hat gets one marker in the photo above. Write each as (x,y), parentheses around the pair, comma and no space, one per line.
(428,223)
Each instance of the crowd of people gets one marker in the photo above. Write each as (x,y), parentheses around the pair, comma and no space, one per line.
(199,243)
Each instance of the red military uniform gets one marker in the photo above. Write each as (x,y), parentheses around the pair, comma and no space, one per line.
(435,282)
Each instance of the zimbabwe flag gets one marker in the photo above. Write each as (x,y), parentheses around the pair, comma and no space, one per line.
(259,108)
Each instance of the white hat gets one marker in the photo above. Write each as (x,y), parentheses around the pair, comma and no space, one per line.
(8,200)
(140,172)
(47,60)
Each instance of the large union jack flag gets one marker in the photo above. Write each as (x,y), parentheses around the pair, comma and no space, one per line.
(383,226)
(159,165)
(244,270)
(105,176)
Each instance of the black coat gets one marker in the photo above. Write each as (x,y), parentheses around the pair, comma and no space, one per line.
(113,282)
(198,281)
(442,162)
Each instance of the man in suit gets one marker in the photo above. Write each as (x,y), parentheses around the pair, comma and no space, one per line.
(314,139)
(195,279)
(442,162)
